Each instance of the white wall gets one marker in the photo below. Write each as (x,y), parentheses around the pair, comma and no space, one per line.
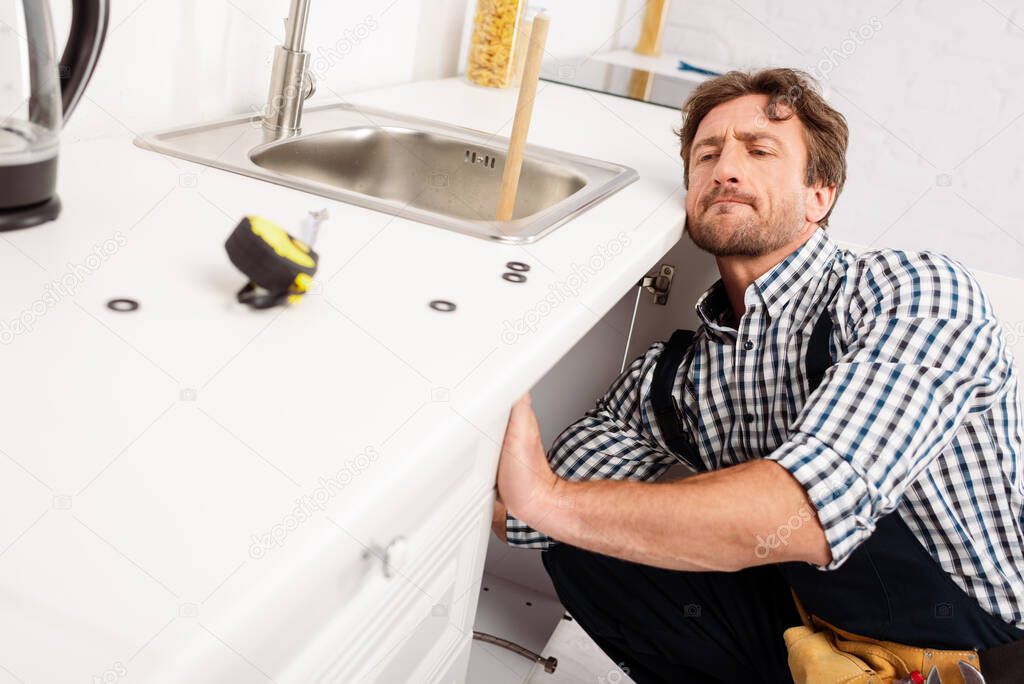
(171,62)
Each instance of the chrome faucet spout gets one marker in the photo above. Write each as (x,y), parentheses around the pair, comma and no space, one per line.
(291,82)
(298,19)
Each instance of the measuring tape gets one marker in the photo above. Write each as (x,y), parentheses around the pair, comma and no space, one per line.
(280,267)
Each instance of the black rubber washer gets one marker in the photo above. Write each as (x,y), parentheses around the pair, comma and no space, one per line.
(122,305)
(518,266)
(442,305)
(514,277)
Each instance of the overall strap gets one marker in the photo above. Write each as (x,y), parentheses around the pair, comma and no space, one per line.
(666,409)
(818,356)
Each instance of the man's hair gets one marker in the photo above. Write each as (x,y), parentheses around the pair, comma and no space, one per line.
(789,92)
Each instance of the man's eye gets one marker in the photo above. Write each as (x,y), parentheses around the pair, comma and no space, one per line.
(760,153)
(705,157)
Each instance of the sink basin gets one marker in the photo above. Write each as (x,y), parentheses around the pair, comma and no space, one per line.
(427,171)
(424,170)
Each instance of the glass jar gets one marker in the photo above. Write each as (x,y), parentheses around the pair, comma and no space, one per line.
(492,48)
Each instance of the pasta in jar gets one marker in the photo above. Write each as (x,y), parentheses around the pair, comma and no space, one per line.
(492,48)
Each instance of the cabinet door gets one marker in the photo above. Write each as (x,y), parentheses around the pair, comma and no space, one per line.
(410,610)
(435,624)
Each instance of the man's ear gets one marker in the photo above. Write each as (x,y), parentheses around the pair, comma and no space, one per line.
(819,201)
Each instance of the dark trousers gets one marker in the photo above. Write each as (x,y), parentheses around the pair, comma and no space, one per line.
(671,626)
(679,627)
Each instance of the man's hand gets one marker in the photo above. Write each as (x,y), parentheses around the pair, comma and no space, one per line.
(525,480)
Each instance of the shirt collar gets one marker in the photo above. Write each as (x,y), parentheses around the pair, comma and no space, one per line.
(774,288)
(713,306)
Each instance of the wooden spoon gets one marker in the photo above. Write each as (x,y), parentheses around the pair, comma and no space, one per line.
(524,112)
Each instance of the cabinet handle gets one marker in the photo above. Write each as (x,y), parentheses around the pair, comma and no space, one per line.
(391,556)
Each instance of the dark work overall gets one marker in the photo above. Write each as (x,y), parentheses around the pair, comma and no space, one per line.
(671,626)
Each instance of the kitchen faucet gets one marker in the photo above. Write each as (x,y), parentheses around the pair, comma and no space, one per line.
(291,82)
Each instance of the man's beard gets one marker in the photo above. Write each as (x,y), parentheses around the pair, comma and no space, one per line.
(750,236)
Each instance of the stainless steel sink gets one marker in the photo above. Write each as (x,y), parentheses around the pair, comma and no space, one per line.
(427,171)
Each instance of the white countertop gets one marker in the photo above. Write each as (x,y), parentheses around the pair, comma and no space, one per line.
(140,452)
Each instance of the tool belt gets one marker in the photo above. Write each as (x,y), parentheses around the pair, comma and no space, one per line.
(821,653)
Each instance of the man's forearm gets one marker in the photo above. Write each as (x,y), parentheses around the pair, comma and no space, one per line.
(750,514)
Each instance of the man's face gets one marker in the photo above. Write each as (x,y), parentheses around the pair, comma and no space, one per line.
(758,164)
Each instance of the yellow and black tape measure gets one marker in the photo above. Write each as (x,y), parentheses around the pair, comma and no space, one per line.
(280,267)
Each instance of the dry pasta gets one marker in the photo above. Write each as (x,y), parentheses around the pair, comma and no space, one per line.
(492,46)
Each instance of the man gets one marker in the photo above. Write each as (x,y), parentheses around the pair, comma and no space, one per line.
(887,491)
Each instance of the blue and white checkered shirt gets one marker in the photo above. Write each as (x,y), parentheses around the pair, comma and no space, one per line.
(921,411)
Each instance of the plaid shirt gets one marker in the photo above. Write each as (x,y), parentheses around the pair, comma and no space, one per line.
(921,411)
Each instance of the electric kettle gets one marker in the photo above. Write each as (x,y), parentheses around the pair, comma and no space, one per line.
(37,94)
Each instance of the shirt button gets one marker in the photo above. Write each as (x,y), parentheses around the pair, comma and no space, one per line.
(749,418)
(748,345)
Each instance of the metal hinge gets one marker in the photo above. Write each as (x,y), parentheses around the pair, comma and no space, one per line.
(660,284)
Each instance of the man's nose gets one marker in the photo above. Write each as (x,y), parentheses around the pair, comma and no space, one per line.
(729,169)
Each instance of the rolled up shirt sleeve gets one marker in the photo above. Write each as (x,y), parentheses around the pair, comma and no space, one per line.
(612,441)
(923,350)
